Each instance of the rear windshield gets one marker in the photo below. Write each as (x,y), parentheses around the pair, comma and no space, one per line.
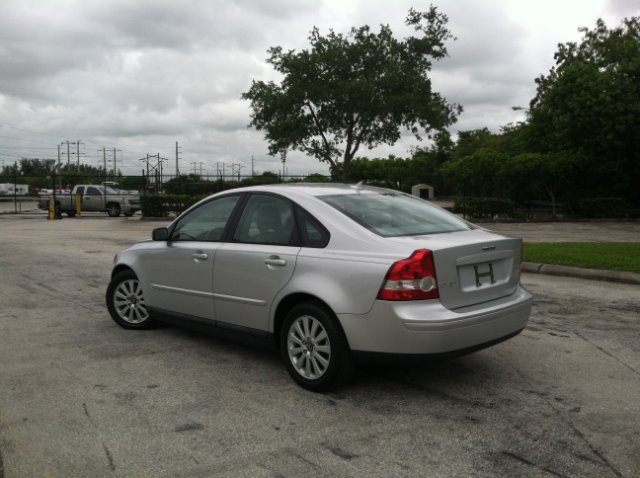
(395,214)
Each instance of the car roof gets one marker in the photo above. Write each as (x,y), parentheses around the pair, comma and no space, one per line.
(318,189)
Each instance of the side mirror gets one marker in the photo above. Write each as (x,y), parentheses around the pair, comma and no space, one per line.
(160,234)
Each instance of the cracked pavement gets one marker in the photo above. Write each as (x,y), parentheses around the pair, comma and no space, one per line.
(81,397)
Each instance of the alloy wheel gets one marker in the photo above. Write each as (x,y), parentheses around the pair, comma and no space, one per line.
(308,347)
(128,302)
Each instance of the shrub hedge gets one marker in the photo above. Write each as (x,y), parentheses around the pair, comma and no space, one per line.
(163,205)
(602,207)
(485,207)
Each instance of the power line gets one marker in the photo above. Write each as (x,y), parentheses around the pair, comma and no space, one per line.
(20,147)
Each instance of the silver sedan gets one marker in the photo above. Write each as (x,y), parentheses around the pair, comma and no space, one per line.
(329,275)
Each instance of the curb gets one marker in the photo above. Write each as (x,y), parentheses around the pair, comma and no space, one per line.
(593,274)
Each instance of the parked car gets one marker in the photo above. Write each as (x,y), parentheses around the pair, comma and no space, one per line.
(94,198)
(329,275)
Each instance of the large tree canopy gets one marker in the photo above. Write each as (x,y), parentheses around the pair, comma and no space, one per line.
(349,91)
(589,104)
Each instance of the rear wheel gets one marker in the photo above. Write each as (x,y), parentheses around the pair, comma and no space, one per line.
(314,348)
(125,302)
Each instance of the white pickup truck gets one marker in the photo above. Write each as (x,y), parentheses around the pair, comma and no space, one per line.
(94,198)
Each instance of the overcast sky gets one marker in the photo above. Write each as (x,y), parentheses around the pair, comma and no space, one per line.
(139,75)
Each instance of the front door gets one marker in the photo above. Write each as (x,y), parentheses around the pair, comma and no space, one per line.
(180,273)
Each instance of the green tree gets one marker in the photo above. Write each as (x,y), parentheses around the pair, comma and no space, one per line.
(131,183)
(316,178)
(589,104)
(35,167)
(551,174)
(268,177)
(472,141)
(352,91)
(32,171)
(479,174)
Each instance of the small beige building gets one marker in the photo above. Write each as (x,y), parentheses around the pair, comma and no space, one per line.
(424,191)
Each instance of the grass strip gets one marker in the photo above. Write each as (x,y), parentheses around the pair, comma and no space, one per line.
(616,256)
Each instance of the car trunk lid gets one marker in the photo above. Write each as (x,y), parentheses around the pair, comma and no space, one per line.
(472,266)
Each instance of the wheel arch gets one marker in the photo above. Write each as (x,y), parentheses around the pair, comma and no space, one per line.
(120,268)
(290,301)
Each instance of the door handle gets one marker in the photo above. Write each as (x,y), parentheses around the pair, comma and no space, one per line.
(275,261)
(199,256)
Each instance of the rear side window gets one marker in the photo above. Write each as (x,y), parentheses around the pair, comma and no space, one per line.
(312,233)
(395,214)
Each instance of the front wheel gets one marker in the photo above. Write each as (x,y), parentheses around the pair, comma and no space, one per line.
(125,302)
(314,348)
(113,210)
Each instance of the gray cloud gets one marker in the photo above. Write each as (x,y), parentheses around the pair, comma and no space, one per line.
(623,8)
(141,74)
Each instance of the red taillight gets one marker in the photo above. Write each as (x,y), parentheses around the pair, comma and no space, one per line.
(411,279)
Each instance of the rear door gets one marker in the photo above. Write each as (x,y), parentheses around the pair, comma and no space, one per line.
(256,263)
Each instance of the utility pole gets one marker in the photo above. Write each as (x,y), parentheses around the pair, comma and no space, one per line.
(104,162)
(236,168)
(253,166)
(158,168)
(59,176)
(68,143)
(104,159)
(115,168)
(221,171)
(78,143)
(177,158)
(195,165)
(283,158)
(76,152)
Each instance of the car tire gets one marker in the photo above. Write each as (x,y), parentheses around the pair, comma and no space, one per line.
(113,210)
(314,348)
(125,302)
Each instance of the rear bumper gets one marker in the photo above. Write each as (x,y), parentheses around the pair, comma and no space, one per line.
(428,328)
(379,358)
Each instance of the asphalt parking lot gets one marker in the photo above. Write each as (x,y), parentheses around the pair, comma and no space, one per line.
(81,397)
